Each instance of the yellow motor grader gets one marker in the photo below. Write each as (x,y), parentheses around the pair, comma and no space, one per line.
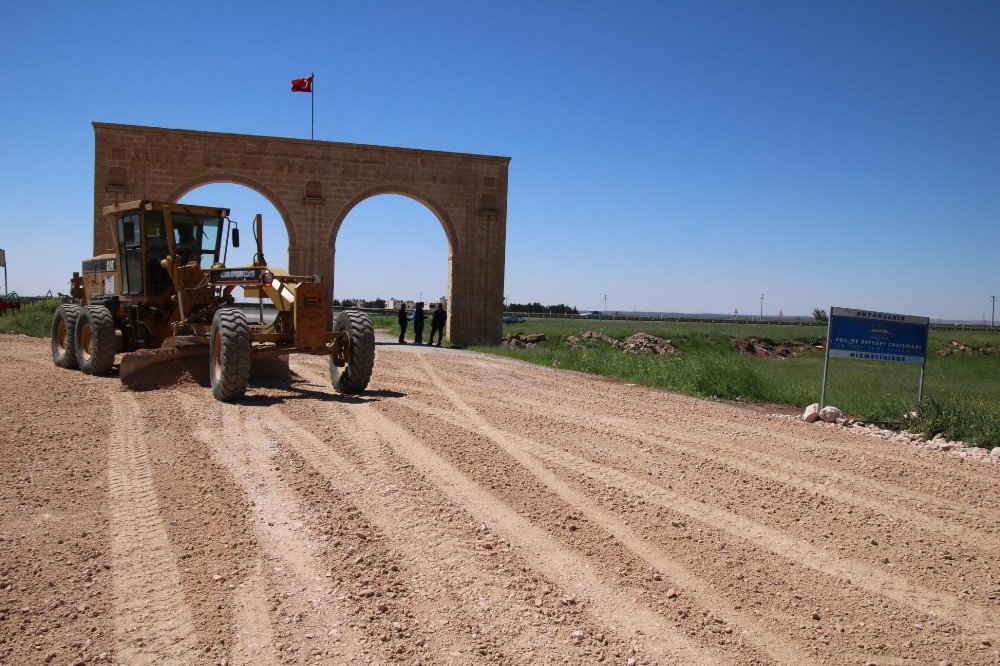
(165,293)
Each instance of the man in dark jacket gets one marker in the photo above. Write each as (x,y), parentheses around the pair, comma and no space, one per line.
(418,324)
(403,321)
(437,324)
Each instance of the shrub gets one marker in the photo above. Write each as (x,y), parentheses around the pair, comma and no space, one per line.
(728,377)
(34,319)
(965,421)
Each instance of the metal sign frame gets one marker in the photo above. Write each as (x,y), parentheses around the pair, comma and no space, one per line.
(867,335)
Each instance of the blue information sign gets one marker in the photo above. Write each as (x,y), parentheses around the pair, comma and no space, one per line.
(878,336)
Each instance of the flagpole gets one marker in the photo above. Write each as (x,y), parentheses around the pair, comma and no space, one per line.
(312,107)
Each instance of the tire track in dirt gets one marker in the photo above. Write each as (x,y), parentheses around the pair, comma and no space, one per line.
(727,423)
(906,523)
(759,634)
(290,557)
(154,625)
(253,641)
(909,514)
(613,606)
(799,551)
(850,572)
(381,491)
(551,558)
(782,470)
(907,593)
(900,470)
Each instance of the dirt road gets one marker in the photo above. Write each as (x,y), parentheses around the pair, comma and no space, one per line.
(473,510)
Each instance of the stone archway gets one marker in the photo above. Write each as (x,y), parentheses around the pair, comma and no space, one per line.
(314,185)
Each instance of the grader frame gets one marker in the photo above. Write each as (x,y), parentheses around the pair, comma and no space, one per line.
(166,288)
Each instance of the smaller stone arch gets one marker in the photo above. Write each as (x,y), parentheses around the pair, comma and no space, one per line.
(419,197)
(245,181)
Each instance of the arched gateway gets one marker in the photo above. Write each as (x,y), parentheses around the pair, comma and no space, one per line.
(314,185)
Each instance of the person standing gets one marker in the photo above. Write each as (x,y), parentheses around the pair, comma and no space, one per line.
(418,324)
(403,321)
(437,324)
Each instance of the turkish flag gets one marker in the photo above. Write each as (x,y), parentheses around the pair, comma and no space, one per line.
(302,85)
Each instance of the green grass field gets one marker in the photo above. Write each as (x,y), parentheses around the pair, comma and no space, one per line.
(962,392)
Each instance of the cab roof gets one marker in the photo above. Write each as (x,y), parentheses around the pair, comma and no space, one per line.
(160,205)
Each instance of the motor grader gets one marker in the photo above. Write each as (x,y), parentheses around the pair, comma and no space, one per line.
(166,293)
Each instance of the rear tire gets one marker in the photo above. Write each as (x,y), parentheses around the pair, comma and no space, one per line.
(229,354)
(64,336)
(354,377)
(95,340)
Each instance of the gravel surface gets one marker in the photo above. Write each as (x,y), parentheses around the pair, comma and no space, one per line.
(469,509)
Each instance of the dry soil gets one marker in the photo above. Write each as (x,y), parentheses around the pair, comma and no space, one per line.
(469,509)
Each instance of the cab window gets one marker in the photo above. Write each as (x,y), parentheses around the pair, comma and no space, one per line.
(157,278)
(196,237)
(130,251)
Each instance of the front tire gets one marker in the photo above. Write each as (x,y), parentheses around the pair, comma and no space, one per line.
(229,354)
(95,340)
(355,375)
(64,336)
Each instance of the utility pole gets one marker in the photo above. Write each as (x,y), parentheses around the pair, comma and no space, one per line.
(605,304)
(762,308)
(993,317)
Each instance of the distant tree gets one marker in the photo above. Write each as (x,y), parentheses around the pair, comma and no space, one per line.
(819,314)
(537,307)
(379,302)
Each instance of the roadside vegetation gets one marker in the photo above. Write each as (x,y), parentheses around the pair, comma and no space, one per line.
(34,319)
(961,391)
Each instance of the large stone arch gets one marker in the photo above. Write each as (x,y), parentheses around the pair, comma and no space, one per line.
(314,185)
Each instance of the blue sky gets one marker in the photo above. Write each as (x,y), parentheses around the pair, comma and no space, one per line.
(674,156)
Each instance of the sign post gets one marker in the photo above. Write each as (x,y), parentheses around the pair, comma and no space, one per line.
(876,336)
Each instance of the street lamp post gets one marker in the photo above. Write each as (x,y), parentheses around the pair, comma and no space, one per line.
(993,315)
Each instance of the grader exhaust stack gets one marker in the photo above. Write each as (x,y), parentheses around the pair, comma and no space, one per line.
(164,295)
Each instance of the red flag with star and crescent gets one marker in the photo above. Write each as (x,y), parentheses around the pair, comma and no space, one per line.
(303,85)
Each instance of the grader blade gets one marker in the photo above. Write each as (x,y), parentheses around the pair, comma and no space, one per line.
(135,362)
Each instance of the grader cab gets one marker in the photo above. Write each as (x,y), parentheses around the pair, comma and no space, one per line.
(165,294)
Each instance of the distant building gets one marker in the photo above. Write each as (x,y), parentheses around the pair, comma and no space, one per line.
(394,303)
